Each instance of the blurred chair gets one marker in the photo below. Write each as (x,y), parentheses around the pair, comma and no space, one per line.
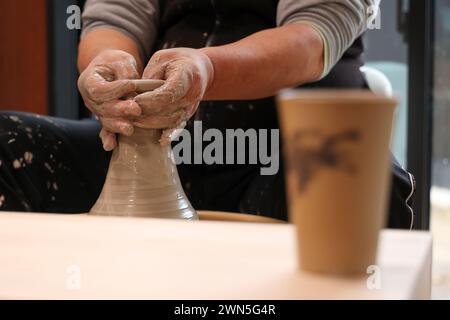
(391,79)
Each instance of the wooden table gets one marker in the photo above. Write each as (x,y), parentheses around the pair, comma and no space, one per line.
(74,257)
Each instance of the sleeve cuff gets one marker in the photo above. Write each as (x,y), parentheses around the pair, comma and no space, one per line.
(327,63)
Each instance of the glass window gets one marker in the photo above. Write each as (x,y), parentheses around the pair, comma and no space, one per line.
(392,61)
(440,191)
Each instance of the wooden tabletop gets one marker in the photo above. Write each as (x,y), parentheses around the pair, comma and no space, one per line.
(85,257)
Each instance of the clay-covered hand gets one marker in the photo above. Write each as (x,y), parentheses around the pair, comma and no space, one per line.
(103,86)
(187,74)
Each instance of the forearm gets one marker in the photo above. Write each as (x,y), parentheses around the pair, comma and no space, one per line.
(265,62)
(106,39)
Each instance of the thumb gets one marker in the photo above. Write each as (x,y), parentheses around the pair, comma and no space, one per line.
(109,140)
(155,71)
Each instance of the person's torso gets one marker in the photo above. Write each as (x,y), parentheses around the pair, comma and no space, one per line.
(201,23)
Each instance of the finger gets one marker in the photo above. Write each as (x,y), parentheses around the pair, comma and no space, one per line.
(172,91)
(178,81)
(177,84)
(114,65)
(119,108)
(154,70)
(100,90)
(117,126)
(154,102)
(109,140)
(162,122)
(159,104)
(126,69)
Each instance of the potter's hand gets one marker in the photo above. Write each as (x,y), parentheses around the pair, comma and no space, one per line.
(103,85)
(188,73)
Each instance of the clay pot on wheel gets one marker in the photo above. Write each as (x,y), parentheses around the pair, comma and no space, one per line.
(143,181)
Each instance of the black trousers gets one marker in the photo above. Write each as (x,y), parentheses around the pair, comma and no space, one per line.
(58,166)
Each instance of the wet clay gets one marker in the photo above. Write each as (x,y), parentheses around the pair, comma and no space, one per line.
(143,181)
(145,85)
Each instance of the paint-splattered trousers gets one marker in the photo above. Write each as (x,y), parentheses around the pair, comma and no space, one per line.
(48,164)
(58,166)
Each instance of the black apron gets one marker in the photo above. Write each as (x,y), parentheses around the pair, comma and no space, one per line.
(201,23)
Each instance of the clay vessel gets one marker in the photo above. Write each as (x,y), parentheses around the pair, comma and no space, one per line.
(143,181)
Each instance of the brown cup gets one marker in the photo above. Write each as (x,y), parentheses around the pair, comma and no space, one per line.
(336,152)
